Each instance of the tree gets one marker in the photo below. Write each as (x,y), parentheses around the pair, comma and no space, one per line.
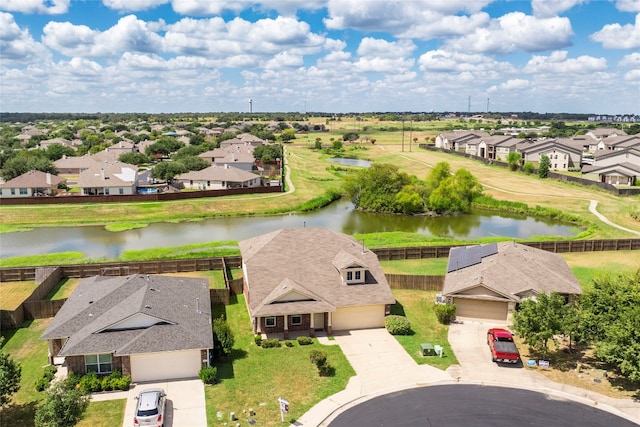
(268,153)
(57,151)
(610,318)
(10,375)
(439,173)
(166,171)
(513,159)
(543,167)
(223,338)
(466,187)
(24,161)
(287,135)
(63,406)
(375,188)
(409,201)
(540,320)
(134,158)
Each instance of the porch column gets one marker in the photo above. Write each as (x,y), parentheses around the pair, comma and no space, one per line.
(286,326)
(329,329)
(312,326)
(256,325)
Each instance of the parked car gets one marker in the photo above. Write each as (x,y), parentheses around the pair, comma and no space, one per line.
(150,408)
(503,349)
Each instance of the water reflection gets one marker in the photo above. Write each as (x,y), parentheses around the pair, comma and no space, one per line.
(95,241)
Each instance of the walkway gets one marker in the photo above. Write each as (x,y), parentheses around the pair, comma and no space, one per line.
(592,208)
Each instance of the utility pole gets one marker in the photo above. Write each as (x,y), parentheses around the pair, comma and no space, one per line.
(487,105)
(251,105)
(403,132)
(410,133)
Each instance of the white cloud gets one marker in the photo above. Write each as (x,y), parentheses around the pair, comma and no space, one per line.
(284,60)
(559,63)
(383,48)
(630,61)
(47,7)
(16,44)
(628,5)
(548,8)
(442,61)
(423,19)
(133,5)
(128,35)
(216,7)
(616,36)
(516,31)
(510,85)
(633,76)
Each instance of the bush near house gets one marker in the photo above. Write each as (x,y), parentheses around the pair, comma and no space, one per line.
(271,343)
(445,313)
(302,340)
(208,374)
(397,325)
(48,373)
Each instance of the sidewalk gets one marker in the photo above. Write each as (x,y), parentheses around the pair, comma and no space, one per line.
(382,366)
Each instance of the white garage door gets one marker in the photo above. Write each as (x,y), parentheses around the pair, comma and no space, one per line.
(368,316)
(165,366)
(480,309)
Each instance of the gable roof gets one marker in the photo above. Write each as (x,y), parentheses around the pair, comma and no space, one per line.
(303,259)
(134,314)
(219,172)
(512,270)
(34,179)
(108,174)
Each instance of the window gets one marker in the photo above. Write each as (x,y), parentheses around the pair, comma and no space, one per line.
(98,363)
(13,191)
(349,276)
(296,319)
(270,322)
(358,275)
(120,190)
(23,191)
(106,191)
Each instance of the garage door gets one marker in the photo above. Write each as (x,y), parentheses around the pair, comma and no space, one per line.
(165,366)
(368,316)
(479,309)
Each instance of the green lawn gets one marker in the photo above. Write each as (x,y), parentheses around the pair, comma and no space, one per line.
(426,266)
(105,413)
(12,294)
(64,288)
(417,306)
(25,346)
(254,377)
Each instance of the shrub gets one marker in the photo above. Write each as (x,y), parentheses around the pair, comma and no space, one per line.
(72,380)
(115,381)
(208,374)
(397,325)
(90,383)
(270,342)
(528,167)
(445,313)
(223,338)
(122,383)
(302,340)
(288,343)
(48,373)
(318,356)
(258,340)
(61,407)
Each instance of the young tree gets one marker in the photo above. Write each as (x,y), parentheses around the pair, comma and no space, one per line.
(10,375)
(63,406)
(223,338)
(439,173)
(539,320)
(287,135)
(544,166)
(467,187)
(409,201)
(375,188)
(513,159)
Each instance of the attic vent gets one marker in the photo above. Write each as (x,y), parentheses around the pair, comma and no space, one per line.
(152,289)
(91,302)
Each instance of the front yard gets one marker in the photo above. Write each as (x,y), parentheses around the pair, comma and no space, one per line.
(254,378)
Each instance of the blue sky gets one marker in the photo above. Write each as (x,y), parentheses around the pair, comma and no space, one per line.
(156,56)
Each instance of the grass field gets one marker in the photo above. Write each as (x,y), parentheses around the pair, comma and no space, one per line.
(106,413)
(254,377)
(12,294)
(64,288)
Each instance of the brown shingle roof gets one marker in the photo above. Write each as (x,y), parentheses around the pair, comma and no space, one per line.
(34,179)
(513,270)
(305,257)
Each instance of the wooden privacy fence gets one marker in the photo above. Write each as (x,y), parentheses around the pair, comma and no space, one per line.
(415,282)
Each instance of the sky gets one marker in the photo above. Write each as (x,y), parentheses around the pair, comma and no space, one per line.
(172,56)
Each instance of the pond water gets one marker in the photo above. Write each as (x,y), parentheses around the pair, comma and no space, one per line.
(95,241)
(351,162)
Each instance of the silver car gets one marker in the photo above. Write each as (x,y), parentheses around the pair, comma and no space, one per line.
(150,408)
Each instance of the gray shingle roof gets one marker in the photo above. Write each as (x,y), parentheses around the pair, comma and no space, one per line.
(303,259)
(34,179)
(134,314)
(513,270)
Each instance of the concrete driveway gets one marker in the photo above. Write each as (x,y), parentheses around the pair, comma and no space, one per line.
(381,363)
(185,403)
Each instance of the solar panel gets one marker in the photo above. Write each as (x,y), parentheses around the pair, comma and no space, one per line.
(466,256)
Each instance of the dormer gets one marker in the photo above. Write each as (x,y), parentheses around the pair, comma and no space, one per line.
(352,270)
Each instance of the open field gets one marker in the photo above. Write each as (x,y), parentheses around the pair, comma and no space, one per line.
(12,294)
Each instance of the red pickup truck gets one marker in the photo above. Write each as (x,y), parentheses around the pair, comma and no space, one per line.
(503,349)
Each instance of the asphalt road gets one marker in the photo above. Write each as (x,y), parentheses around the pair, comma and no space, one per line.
(473,405)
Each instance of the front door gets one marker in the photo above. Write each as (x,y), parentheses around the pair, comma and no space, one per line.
(318,321)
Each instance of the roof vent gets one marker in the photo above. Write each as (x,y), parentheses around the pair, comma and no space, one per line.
(91,302)
(147,306)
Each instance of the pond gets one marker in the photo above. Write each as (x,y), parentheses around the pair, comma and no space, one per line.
(95,241)
(351,162)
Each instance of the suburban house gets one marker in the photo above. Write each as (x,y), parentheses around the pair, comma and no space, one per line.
(618,167)
(563,157)
(219,177)
(488,281)
(110,177)
(457,140)
(303,280)
(30,184)
(149,327)
(74,165)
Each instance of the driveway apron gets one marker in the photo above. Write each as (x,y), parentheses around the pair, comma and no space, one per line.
(185,403)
